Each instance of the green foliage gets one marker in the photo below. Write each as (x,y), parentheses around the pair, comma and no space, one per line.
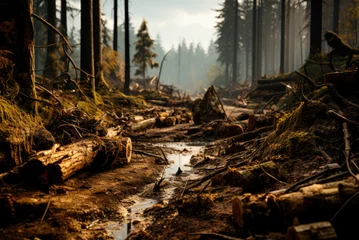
(144,56)
(225,30)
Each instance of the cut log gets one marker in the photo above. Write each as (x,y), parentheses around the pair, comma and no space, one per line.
(170,121)
(110,153)
(257,121)
(315,203)
(56,165)
(143,125)
(318,231)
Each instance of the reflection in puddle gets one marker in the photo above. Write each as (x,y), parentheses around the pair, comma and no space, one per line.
(134,215)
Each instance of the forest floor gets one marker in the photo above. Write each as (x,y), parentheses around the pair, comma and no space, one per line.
(150,199)
(86,205)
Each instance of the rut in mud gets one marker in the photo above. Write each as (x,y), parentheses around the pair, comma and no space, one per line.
(134,218)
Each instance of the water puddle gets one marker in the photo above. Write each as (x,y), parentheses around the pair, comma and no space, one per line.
(134,214)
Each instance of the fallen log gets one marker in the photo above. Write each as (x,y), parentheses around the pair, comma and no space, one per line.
(143,125)
(257,121)
(55,166)
(332,202)
(318,230)
(111,152)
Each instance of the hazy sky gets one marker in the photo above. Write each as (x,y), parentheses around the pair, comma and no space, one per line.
(193,20)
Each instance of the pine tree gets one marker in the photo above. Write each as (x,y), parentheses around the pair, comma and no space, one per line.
(225,30)
(144,56)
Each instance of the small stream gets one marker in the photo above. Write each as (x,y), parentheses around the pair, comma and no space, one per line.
(134,214)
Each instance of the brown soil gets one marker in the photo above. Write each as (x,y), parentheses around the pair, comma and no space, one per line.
(83,199)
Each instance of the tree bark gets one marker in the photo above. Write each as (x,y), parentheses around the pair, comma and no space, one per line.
(115,25)
(315,203)
(254,45)
(97,28)
(336,14)
(87,56)
(54,166)
(127,50)
(64,17)
(50,71)
(316,27)
(235,42)
(17,37)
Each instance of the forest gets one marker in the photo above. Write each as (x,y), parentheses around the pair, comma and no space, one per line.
(106,132)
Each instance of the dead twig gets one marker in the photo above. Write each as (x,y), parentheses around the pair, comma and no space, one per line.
(342,207)
(164,156)
(270,175)
(148,154)
(47,208)
(157,186)
(340,116)
(54,29)
(204,188)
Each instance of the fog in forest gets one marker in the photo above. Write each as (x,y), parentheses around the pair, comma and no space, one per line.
(198,37)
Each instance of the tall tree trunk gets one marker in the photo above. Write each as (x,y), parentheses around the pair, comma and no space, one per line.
(87,60)
(235,42)
(282,37)
(50,71)
(127,49)
(287,37)
(336,12)
(115,25)
(97,33)
(63,29)
(18,38)
(316,27)
(64,17)
(254,45)
(227,63)
(259,40)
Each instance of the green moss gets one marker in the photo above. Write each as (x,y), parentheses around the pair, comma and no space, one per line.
(89,108)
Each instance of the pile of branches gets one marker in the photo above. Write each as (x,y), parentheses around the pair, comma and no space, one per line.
(74,124)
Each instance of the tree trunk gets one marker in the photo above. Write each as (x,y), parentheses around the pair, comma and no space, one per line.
(97,31)
(259,47)
(64,17)
(316,27)
(282,37)
(235,42)
(17,41)
(127,50)
(336,14)
(50,71)
(315,203)
(87,56)
(115,25)
(55,166)
(254,45)
(227,63)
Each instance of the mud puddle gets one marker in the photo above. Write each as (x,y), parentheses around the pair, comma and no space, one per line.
(134,218)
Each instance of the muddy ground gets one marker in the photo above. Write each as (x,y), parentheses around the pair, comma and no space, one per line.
(84,206)
(121,203)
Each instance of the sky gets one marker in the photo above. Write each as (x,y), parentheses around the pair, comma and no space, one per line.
(193,20)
